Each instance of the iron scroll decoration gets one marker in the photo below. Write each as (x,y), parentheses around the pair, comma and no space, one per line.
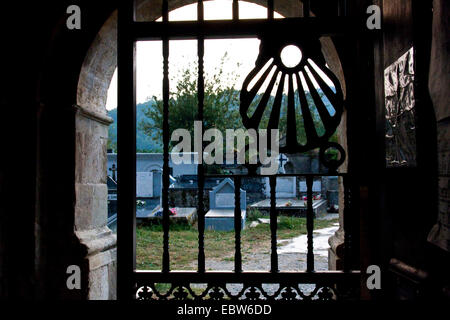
(268,67)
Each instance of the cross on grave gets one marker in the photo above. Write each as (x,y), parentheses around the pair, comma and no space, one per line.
(282,158)
(113,170)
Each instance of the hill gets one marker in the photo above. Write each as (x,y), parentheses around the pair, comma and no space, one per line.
(144,143)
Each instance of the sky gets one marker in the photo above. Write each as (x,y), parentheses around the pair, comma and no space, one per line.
(183,53)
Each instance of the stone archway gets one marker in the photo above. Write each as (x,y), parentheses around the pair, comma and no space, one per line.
(91,138)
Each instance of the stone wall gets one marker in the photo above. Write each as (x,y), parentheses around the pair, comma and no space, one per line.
(91,210)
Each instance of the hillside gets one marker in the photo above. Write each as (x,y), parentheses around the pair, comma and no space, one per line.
(144,143)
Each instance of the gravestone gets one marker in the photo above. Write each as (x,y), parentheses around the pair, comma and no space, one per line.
(316,187)
(220,216)
(286,187)
(144,184)
(332,191)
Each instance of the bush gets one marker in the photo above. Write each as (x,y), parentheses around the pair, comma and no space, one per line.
(254,214)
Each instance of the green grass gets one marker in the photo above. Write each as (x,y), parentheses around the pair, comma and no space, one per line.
(183,241)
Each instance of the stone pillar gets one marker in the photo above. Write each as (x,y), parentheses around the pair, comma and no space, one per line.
(91,209)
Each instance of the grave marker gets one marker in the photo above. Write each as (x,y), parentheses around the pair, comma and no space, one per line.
(144,184)
(220,217)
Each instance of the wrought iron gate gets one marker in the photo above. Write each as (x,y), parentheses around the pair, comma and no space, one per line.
(274,34)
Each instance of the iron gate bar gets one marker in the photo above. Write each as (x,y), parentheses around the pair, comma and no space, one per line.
(306,8)
(142,276)
(273,225)
(200,170)
(270,9)
(130,31)
(166,133)
(126,155)
(165,10)
(342,8)
(200,11)
(251,28)
(237,225)
(309,225)
(235,10)
(348,229)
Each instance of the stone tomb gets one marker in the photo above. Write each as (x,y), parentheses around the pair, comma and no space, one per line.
(287,201)
(286,188)
(220,217)
(292,207)
(144,184)
(182,215)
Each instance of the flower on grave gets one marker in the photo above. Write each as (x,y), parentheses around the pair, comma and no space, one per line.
(140,203)
(288,204)
(173,211)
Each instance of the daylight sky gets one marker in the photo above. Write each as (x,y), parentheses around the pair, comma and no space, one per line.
(149,53)
(183,53)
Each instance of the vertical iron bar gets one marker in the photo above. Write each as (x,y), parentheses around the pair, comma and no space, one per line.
(166,135)
(200,169)
(235,9)
(347,224)
(342,8)
(270,9)
(165,10)
(126,154)
(237,225)
(200,11)
(306,8)
(273,225)
(309,224)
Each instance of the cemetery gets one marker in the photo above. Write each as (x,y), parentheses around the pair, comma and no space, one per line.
(388,109)
(219,205)
(219,245)
(219,192)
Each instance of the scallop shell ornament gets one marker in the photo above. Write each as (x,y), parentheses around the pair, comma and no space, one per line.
(287,79)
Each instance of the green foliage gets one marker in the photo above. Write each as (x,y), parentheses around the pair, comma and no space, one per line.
(221,107)
(254,214)
(221,104)
(112,140)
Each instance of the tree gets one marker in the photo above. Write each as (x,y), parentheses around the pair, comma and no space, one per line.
(220,111)
(221,107)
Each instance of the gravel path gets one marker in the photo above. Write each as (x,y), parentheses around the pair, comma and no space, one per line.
(293,258)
